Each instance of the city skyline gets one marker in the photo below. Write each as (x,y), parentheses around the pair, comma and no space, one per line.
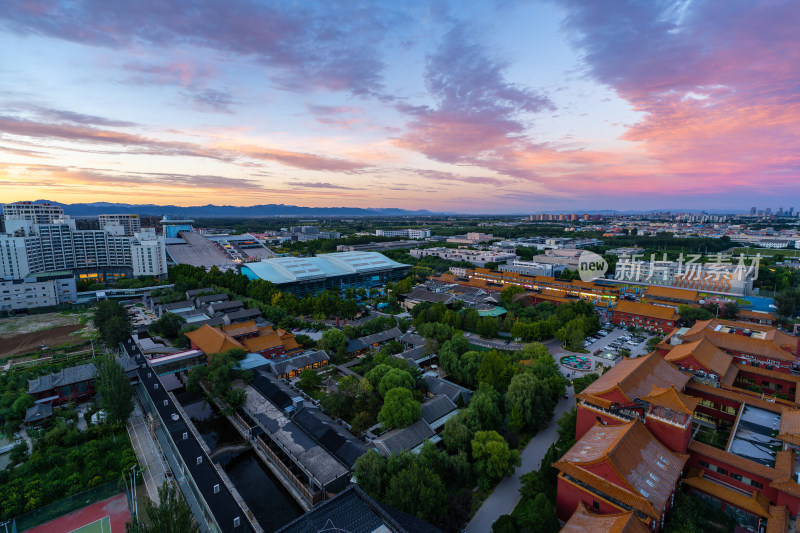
(493,108)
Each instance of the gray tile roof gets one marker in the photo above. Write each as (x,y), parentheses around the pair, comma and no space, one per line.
(226,306)
(414,354)
(284,366)
(436,408)
(67,376)
(194,292)
(38,412)
(413,339)
(408,438)
(424,295)
(437,386)
(354,512)
(219,297)
(243,313)
(176,305)
(364,342)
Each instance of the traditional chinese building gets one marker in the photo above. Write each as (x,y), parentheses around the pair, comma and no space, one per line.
(645,316)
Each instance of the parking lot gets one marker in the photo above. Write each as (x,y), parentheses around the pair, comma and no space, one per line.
(614,340)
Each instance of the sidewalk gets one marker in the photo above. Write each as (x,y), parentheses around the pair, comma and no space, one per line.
(506,495)
(147,452)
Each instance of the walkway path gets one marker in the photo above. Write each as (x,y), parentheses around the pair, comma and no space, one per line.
(147,452)
(506,495)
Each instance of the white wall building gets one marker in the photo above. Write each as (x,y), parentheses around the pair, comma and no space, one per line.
(36,213)
(131,223)
(409,233)
(36,248)
(476,257)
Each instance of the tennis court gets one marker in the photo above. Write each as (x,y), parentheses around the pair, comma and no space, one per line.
(100,526)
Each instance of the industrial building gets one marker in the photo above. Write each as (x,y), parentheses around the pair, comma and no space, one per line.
(336,271)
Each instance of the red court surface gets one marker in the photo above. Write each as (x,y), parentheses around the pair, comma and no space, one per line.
(116,507)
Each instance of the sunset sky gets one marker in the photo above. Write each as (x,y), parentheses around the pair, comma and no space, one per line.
(474,107)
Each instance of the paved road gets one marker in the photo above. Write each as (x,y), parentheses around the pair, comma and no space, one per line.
(506,495)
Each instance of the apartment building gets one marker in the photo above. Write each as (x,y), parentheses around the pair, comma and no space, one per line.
(29,248)
(131,224)
(43,213)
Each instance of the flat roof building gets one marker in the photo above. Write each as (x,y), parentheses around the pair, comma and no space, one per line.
(336,271)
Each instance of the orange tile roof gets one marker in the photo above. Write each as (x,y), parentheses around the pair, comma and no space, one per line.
(790,427)
(755,314)
(647,467)
(635,378)
(582,520)
(733,460)
(708,355)
(658,292)
(263,342)
(775,343)
(741,395)
(243,328)
(672,399)
(642,309)
(785,376)
(778,519)
(212,340)
(756,504)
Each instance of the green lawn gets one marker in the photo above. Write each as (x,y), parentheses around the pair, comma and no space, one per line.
(766,251)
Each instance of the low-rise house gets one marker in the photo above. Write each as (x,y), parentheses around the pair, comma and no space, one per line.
(290,367)
(73,384)
(222,308)
(206,300)
(364,344)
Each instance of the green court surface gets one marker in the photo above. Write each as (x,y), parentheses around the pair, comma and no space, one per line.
(100,526)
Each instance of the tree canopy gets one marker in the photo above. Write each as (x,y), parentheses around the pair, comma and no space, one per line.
(399,410)
(114,391)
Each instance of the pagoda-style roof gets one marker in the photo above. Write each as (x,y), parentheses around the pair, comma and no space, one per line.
(672,399)
(646,470)
(582,520)
(634,378)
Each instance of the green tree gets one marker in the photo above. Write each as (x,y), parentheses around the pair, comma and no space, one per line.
(309,380)
(532,397)
(170,515)
(578,384)
(112,322)
(459,431)
(416,490)
(235,399)
(375,375)
(333,341)
(169,325)
(486,405)
(493,458)
(690,315)
(400,409)
(395,378)
(787,302)
(114,391)
(496,369)
(370,473)
(538,515)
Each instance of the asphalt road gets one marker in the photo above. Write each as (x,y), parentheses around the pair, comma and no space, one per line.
(506,495)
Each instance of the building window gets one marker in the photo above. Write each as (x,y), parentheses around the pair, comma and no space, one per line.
(756,484)
(595,505)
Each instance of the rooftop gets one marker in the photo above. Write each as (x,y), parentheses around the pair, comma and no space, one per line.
(67,376)
(283,270)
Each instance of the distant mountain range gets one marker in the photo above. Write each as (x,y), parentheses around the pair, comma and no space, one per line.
(283,210)
(208,211)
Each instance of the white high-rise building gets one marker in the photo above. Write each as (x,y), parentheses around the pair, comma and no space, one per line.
(130,223)
(29,248)
(37,213)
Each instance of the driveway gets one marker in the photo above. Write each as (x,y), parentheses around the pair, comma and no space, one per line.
(554,345)
(506,495)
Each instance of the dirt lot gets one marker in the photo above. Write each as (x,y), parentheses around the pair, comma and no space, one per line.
(24,334)
(29,342)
